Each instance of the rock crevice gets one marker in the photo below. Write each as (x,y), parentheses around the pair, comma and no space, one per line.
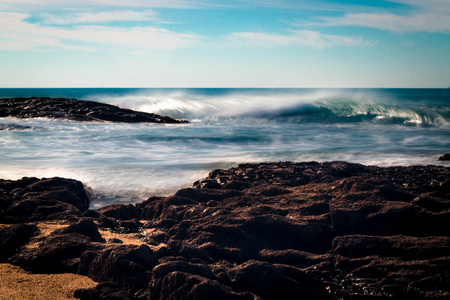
(284,230)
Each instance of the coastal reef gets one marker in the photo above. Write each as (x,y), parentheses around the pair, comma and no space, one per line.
(77,110)
(332,230)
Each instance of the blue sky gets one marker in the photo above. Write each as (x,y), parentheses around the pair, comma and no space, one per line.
(245,43)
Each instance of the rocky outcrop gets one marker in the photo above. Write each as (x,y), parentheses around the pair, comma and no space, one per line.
(445,157)
(258,231)
(78,110)
(31,199)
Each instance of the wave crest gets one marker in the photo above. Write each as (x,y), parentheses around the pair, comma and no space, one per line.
(318,106)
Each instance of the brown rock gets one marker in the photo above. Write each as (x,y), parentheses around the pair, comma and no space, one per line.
(126,265)
(121,211)
(13,237)
(276,281)
(31,199)
(57,254)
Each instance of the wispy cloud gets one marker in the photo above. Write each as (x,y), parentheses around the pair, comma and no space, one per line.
(392,22)
(426,16)
(17,34)
(307,38)
(99,17)
(46,4)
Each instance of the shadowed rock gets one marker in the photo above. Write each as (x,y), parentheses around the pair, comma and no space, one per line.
(14,237)
(104,290)
(32,199)
(445,157)
(57,254)
(121,211)
(126,265)
(330,230)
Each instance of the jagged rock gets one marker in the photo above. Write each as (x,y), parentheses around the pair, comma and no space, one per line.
(121,211)
(126,265)
(104,290)
(56,254)
(300,259)
(31,199)
(271,281)
(13,237)
(85,227)
(182,266)
(445,157)
(356,232)
(78,110)
(178,285)
(407,247)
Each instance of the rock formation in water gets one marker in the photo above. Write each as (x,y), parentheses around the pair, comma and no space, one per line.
(258,231)
(78,110)
(445,157)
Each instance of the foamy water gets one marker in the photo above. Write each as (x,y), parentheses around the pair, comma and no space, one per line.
(130,162)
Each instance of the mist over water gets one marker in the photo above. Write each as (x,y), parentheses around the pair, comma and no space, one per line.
(130,162)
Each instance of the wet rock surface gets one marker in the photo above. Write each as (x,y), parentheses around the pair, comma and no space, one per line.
(257,231)
(445,157)
(73,109)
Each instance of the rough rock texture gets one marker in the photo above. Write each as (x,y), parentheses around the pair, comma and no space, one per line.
(258,231)
(357,230)
(77,110)
(31,199)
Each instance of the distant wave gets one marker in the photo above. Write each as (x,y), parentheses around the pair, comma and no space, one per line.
(349,111)
(316,106)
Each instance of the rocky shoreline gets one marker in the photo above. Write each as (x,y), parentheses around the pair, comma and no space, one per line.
(309,230)
(77,110)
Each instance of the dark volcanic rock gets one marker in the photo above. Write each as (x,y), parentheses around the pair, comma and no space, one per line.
(104,290)
(13,237)
(184,286)
(77,110)
(126,265)
(86,227)
(330,230)
(358,230)
(445,157)
(121,211)
(57,254)
(271,281)
(32,199)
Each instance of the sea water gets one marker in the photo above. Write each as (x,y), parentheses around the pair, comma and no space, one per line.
(127,163)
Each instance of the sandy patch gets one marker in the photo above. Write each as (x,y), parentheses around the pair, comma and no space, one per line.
(17,284)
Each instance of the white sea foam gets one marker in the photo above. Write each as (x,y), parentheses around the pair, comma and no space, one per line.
(130,162)
(339,104)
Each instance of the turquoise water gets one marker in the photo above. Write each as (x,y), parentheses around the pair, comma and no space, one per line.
(130,162)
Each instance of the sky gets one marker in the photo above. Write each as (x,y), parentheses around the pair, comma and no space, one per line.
(234,43)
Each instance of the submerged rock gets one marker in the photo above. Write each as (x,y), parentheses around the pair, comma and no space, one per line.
(77,110)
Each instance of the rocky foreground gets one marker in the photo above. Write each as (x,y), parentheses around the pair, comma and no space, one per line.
(258,231)
(77,110)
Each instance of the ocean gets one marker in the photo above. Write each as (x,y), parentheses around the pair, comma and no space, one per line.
(127,163)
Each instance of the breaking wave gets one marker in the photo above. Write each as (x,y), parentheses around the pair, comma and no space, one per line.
(315,106)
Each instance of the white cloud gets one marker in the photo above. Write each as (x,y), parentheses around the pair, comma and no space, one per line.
(392,22)
(297,38)
(46,4)
(427,16)
(16,34)
(99,17)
